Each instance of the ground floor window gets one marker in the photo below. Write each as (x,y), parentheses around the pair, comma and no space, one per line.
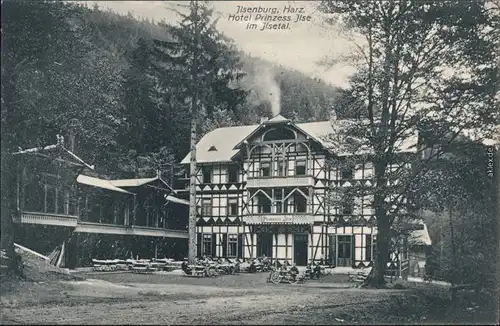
(232,245)
(208,244)
(369,248)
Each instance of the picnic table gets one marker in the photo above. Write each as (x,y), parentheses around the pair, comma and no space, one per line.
(197,270)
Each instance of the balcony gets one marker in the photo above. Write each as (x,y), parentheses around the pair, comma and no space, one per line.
(286,181)
(297,218)
(88,227)
(45,219)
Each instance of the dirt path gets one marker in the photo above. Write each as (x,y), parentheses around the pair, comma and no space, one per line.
(102,302)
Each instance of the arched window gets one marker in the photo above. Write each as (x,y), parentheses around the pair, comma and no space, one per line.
(279,134)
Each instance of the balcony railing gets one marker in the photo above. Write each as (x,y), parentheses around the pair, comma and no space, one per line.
(297,218)
(45,218)
(88,227)
(286,181)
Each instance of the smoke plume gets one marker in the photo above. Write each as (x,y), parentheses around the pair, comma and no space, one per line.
(267,88)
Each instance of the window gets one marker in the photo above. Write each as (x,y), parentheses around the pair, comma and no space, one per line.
(264,204)
(278,197)
(300,168)
(348,206)
(369,248)
(207,174)
(347,173)
(300,203)
(232,245)
(280,165)
(232,207)
(207,244)
(265,169)
(206,208)
(279,134)
(232,173)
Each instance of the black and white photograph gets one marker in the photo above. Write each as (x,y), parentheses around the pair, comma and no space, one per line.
(328,162)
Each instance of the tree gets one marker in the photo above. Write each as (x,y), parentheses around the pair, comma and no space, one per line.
(31,63)
(209,59)
(428,67)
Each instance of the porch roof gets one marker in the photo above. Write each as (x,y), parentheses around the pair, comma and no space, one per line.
(131,183)
(99,183)
(177,200)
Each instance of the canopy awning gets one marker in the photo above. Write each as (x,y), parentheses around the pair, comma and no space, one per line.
(99,183)
(177,200)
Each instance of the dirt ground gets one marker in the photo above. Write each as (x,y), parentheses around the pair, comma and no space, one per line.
(125,298)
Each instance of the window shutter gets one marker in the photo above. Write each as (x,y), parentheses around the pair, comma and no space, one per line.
(224,245)
(353,248)
(198,244)
(240,245)
(214,247)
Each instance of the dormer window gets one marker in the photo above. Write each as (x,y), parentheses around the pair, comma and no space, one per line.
(212,149)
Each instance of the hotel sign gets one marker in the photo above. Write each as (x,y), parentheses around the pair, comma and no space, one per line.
(277,219)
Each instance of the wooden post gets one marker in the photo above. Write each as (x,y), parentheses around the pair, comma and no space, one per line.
(134,210)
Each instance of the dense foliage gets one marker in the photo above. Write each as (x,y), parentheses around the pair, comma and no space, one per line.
(72,69)
(427,67)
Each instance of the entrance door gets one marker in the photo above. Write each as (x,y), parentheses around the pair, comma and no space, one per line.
(344,250)
(265,244)
(300,249)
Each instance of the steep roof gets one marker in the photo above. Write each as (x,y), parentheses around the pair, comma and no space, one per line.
(226,139)
(421,237)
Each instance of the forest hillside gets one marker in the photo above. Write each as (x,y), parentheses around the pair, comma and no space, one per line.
(97,75)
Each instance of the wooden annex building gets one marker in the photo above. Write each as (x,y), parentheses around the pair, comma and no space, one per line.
(58,198)
(263,189)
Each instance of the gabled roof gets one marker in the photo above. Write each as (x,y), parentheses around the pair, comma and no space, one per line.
(224,139)
(99,183)
(227,139)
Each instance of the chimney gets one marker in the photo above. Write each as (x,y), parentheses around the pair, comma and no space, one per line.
(263,119)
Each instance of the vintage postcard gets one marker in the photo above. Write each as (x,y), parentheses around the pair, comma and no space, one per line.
(250,162)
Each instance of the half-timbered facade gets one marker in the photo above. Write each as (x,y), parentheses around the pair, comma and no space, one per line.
(263,189)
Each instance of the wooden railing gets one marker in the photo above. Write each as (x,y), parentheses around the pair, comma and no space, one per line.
(89,227)
(45,218)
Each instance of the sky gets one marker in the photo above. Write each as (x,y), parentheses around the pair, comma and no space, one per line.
(300,47)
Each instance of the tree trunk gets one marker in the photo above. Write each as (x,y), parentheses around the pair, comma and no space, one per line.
(376,277)
(7,229)
(192,180)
